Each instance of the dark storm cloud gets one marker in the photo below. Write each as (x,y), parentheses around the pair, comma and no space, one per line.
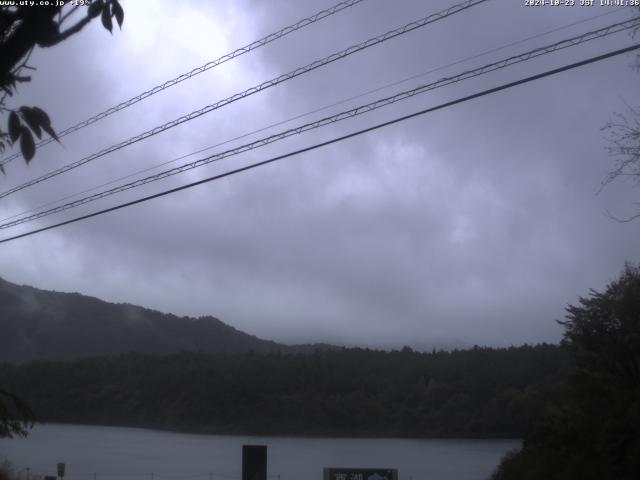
(475,224)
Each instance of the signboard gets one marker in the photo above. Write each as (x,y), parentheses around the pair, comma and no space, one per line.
(360,473)
(61,469)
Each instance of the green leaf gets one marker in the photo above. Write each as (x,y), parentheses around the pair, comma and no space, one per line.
(32,119)
(14,126)
(45,122)
(27,145)
(106,19)
(118,12)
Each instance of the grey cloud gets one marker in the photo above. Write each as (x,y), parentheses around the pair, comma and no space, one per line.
(475,224)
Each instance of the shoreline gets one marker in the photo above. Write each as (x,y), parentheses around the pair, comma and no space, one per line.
(328,436)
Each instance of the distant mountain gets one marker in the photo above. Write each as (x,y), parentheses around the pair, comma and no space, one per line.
(38,324)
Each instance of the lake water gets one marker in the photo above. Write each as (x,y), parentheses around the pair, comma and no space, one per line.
(114,453)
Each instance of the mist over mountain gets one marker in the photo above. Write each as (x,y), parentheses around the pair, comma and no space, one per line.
(38,324)
(148,369)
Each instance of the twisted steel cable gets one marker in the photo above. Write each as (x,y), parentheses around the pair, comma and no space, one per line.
(196,71)
(258,88)
(316,110)
(441,106)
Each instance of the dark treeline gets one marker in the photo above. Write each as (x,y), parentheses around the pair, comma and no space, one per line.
(481,392)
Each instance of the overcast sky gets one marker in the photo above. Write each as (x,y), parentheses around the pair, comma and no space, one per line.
(476,224)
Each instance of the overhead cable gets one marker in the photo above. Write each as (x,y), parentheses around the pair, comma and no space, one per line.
(329,142)
(196,71)
(258,88)
(311,112)
(362,109)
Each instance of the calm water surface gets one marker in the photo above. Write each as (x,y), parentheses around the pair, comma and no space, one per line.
(113,453)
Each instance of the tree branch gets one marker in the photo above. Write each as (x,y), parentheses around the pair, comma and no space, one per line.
(67,33)
(68,14)
(34,26)
(622,220)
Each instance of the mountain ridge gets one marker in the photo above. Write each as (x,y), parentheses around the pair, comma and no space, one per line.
(40,324)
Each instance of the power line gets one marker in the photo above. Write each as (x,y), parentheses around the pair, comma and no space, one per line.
(198,70)
(320,109)
(334,140)
(270,83)
(362,109)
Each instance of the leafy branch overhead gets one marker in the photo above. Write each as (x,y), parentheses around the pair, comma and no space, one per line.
(107,11)
(23,28)
(21,125)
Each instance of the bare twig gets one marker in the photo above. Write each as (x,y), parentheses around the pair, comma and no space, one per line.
(621,220)
(68,32)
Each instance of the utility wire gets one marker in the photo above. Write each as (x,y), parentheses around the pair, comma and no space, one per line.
(302,115)
(362,109)
(334,140)
(198,70)
(270,83)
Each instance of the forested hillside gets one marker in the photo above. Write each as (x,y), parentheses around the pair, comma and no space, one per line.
(38,324)
(480,392)
(592,432)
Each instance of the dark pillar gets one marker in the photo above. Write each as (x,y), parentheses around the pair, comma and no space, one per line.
(254,462)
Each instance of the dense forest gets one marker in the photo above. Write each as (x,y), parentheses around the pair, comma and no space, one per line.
(481,392)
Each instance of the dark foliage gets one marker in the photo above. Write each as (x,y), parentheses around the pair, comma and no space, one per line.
(16,416)
(595,432)
(23,28)
(480,392)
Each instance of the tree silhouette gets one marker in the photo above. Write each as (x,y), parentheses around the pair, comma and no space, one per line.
(23,28)
(595,432)
(622,133)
